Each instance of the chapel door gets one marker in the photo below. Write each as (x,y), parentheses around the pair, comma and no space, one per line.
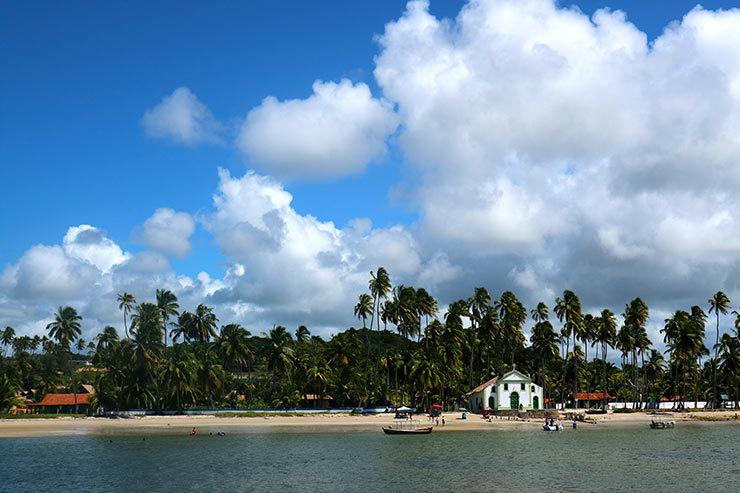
(514,400)
(535,402)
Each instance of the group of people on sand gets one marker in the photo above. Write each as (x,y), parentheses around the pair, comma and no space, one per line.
(210,433)
(436,418)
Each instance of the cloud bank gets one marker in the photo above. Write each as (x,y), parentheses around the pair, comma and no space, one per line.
(550,150)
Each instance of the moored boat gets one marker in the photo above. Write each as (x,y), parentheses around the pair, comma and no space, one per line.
(407,427)
(662,424)
(552,425)
(389,430)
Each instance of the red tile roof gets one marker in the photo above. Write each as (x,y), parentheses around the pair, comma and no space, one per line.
(63,400)
(593,396)
(672,399)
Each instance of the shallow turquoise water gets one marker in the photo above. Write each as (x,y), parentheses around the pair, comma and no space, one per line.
(691,457)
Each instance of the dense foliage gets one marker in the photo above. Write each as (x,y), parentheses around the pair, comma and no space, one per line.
(172,359)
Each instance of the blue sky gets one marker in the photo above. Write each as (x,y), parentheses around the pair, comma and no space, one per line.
(74,149)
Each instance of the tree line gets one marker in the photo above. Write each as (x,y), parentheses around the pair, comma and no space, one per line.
(166,358)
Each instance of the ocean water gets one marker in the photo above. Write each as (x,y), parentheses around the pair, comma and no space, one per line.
(689,458)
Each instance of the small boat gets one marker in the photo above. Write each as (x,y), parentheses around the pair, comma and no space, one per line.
(662,424)
(390,430)
(407,427)
(556,426)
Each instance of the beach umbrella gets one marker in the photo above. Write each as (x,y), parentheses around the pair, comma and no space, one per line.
(403,408)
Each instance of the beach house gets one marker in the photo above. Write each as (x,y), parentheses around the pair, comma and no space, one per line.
(514,390)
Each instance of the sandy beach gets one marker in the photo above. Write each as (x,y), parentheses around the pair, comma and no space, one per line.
(307,423)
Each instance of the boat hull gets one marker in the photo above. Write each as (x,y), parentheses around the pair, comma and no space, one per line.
(552,427)
(662,426)
(411,431)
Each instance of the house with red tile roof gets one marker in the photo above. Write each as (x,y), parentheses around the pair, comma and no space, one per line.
(63,403)
(586,400)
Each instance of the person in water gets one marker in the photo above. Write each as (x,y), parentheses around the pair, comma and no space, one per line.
(192,432)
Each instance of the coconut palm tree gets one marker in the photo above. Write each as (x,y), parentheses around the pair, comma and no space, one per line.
(66,326)
(178,374)
(204,323)
(302,334)
(233,348)
(512,315)
(426,305)
(380,287)
(606,332)
(719,303)
(364,307)
(541,313)
(568,310)
(8,388)
(730,361)
(126,302)
(280,357)
(168,307)
(7,336)
(545,345)
(107,337)
(478,305)
(184,327)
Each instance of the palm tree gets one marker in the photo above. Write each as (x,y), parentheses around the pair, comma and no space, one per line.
(7,336)
(185,327)
(606,332)
(66,326)
(81,344)
(478,305)
(730,361)
(233,347)
(302,334)
(364,308)
(635,316)
(107,337)
(541,313)
(280,357)
(8,388)
(126,302)
(568,309)
(178,374)
(718,303)
(405,312)
(545,344)
(653,368)
(512,315)
(168,307)
(65,329)
(204,323)
(380,287)
(426,305)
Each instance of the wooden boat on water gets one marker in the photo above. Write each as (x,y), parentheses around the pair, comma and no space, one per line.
(407,427)
(662,424)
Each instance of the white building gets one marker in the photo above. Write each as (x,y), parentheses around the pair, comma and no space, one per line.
(512,391)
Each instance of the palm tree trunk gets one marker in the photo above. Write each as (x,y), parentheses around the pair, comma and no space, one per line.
(603,351)
(714,369)
(588,381)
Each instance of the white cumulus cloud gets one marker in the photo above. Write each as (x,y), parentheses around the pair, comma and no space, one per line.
(336,131)
(168,231)
(181,117)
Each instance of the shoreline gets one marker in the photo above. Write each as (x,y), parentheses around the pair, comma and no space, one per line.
(68,426)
